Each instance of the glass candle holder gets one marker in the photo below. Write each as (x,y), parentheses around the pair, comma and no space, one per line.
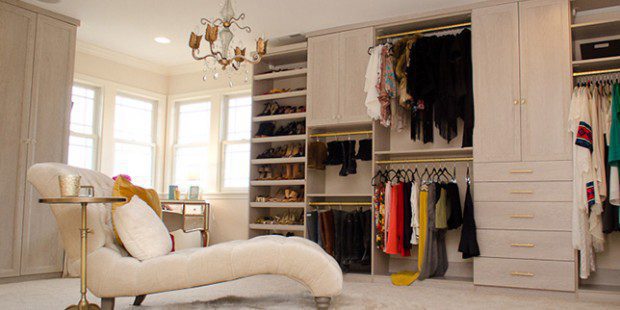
(69,185)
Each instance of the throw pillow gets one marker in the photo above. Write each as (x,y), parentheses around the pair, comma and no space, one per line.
(124,188)
(142,232)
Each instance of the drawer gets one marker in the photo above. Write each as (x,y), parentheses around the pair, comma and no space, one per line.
(523,191)
(524,171)
(520,273)
(524,215)
(548,245)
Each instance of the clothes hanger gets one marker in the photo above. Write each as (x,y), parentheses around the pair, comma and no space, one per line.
(467,179)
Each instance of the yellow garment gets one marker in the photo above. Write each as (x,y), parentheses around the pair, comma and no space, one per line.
(124,188)
(405,278)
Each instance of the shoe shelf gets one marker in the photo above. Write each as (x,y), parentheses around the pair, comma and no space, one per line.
(279,117)
(277,227)
(278,182)
(279,139)
(286,160)
(281,74)
(290,94)
(278,205)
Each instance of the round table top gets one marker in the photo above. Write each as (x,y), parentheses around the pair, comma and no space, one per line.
(82,199)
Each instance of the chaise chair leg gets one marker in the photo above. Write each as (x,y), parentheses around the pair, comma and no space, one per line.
(107,303)
(322,302)
(139,299)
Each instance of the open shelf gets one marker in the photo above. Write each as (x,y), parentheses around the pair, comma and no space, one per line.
(339,195)
(280,117)
(276,205)
(281,74)
(287,160)
(290,94)
(586,5)
(429,152)
(596,64)
(279,139)
(277,227)
(596,29)
(278,182)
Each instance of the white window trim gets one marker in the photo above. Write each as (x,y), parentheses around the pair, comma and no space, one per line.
(224,143)
(216,97)
(109,90)
(97,121)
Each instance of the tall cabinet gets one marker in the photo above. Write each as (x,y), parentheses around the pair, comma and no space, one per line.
(522,147)
(36,61)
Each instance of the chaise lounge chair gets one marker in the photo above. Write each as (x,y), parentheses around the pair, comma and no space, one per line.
(113,273)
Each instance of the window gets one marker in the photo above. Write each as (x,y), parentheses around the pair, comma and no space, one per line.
(236,143)
(134,139)
(191,148)
(84,127)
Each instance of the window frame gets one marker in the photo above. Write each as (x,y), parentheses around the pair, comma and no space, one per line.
(223,142)
(97,122)
(154,133)
(175,134)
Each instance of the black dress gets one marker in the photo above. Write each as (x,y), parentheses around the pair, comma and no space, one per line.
(469,241)
(455,220)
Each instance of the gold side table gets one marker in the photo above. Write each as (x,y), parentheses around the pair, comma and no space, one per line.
(84,201)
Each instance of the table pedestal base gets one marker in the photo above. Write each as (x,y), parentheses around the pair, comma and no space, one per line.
(86,306)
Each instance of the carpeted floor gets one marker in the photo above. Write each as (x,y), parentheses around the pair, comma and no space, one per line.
(275,292)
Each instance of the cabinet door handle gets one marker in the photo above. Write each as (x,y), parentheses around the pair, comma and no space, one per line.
(522,216)
(522,192)
(521,274)
(522,245)
(523,101)
(516,101)
(515,171)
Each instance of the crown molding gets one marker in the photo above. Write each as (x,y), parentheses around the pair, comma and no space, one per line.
(122,58)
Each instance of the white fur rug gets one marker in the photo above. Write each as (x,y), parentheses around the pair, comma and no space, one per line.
(275,292)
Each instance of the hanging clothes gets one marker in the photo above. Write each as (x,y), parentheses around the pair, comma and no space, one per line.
(386,86)
(373,70)
(317,155)
(415,213)
(394,235)
(468,245)
(379,211)
(455,219)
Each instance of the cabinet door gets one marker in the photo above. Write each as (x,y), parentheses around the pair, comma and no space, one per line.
(323,80)
(17,33)
(495,48)
(545,80)
(353,60)
(49,127)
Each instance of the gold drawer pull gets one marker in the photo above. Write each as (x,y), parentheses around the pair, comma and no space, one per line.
(522,216)
(522,245)
(521,192)
(522,171)
(521,274)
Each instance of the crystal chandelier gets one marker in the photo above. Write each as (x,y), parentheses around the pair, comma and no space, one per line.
(226,56)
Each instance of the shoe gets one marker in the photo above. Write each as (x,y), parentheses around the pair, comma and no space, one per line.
(265,130)
(297,173)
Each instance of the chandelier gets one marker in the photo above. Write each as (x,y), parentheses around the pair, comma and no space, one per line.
(226,55)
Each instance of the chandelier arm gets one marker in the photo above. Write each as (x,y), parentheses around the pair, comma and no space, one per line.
(205,21)
(197,57)
(256,58)
(217,55)
(235,19)
(246,28)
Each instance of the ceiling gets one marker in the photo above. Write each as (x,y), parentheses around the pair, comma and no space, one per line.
(129,26)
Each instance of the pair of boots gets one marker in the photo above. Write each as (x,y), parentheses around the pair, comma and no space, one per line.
(342,153)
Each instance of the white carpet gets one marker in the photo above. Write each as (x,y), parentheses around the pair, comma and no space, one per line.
(275,292)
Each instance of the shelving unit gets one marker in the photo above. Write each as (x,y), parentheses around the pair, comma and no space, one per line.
(600,28)
(596,64)
(292,61)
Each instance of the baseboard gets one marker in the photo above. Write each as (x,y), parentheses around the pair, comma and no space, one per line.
(602,277)
(32,277)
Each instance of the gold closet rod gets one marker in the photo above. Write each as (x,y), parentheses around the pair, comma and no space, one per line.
(420,31)
(595,72)
(341,203)
(343,133)
(427,160)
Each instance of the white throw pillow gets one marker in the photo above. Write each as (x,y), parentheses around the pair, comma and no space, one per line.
(143,233)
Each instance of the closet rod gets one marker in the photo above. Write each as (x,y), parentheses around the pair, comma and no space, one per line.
(343,133)
(428,160)
(595,72)
(420,31)
(339,203)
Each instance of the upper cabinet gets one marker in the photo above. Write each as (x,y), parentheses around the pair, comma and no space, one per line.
(522,83)
(336,73)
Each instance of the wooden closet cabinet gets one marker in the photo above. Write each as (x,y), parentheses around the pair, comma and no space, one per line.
(336,74)
(522,81)
(36,61)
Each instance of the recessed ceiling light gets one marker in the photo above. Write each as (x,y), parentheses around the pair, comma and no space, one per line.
(162,40)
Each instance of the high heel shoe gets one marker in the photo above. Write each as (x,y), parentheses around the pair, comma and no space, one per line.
(297,172)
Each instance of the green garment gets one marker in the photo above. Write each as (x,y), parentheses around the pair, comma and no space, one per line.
(614,141)
(441,210)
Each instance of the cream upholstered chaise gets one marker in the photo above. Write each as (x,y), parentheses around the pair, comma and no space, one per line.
(113,273)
